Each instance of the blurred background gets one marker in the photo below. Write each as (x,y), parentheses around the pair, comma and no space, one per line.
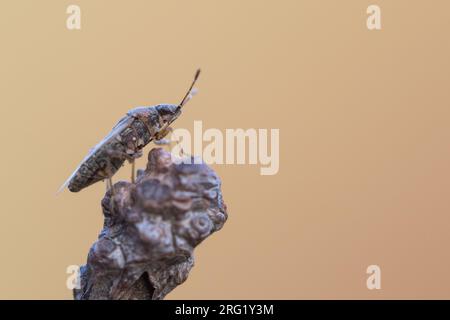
(364,123)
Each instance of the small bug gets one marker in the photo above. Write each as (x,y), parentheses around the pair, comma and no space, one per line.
(133,132)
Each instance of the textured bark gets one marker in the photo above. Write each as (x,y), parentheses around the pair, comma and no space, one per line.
(150,230)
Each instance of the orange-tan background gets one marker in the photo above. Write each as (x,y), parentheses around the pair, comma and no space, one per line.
(364,122)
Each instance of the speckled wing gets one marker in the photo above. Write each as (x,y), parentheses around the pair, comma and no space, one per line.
(116,130)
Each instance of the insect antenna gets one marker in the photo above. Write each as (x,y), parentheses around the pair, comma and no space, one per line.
(188,95)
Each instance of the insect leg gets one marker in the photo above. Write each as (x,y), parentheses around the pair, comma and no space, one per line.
(129,155)
(107,173)
(133,180)
(110,185)
(159,138)
(162,142)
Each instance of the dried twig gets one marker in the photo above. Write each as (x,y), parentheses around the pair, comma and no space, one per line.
(150,230)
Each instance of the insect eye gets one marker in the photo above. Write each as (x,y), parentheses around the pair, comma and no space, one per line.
(165,110)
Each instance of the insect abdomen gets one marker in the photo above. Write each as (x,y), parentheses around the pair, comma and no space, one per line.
(99,166)
(128,137)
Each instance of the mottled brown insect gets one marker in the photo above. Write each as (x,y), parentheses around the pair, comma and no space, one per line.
(125,142)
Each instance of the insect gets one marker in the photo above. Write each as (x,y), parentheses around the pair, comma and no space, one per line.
(133,132)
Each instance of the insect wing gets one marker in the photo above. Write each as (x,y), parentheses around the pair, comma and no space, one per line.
(117,129)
